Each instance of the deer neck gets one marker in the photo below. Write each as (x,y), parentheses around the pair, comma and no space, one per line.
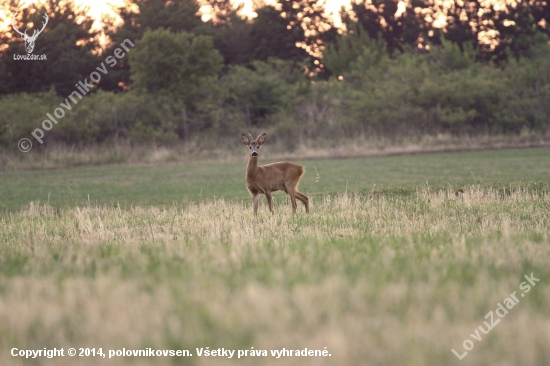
(252,167)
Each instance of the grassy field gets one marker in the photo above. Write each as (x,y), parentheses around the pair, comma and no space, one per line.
(157,258)
(193,182)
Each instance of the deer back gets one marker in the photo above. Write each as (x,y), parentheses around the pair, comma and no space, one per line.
(277,176)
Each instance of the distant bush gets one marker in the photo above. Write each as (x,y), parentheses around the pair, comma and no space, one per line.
(444,90)
(370,94)
(22,113)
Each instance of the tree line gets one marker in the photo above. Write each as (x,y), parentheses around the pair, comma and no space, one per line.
(390,69)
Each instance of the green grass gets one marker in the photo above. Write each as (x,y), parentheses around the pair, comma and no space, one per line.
(394,279)
(192,182)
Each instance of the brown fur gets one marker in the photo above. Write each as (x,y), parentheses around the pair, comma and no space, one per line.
(269,178)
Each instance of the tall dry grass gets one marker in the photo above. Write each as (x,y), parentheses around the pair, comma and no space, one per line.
(378,280)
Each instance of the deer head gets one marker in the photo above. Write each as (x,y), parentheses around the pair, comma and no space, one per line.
(29,40)
(254,145)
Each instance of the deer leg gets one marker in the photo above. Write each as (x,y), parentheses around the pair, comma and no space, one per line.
(255,201)
(269,201)
(304,199)
(293,200)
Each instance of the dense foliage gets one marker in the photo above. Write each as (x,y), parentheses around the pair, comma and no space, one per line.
(186,79)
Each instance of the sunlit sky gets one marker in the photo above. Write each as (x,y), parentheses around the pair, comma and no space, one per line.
(99,7)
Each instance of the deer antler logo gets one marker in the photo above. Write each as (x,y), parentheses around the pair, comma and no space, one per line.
(29,40)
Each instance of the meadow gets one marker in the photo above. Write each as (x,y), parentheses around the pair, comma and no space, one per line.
(179,184)
(400,260)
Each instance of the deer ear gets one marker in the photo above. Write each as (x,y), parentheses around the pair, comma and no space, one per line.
(261,138)
(246,140)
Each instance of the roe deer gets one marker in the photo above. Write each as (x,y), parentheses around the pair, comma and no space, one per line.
(271,177)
